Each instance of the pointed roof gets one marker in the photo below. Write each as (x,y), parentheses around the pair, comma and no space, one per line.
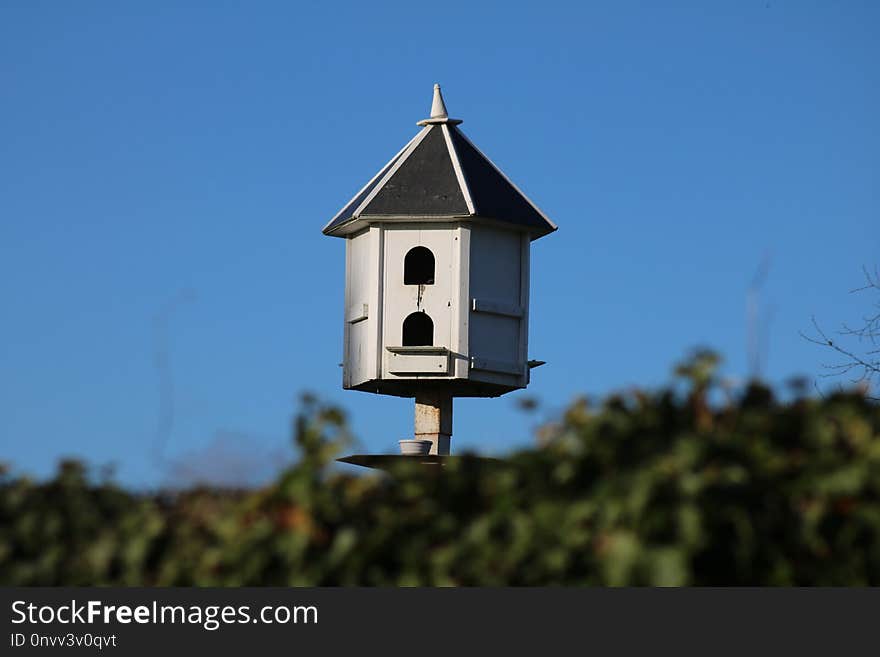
(439,174)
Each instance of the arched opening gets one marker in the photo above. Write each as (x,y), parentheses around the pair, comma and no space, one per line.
(418,267)
(418,330)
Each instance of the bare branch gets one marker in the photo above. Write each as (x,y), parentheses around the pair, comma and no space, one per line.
(862,366)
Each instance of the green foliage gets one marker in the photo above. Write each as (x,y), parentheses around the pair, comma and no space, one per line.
(660,488)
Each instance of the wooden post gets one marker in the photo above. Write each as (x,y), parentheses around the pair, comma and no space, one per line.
(433,420)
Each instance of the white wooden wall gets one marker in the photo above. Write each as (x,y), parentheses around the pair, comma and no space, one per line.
(362,307)
(478,301)
(438,301)
(499,299)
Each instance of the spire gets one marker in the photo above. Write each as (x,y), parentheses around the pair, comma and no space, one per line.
(438,107)
(438,110)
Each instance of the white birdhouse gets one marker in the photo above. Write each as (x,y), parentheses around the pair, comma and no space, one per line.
(437,277)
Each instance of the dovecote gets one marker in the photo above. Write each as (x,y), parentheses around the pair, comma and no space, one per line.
(437,274)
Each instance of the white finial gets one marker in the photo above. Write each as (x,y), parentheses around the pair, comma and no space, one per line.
(438,107)
(438,110)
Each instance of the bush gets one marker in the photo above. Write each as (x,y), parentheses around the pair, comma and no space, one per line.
(660,488)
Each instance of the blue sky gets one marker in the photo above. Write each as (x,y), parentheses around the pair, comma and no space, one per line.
(166,168)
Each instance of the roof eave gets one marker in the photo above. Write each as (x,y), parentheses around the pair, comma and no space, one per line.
(357,224)
(536,232)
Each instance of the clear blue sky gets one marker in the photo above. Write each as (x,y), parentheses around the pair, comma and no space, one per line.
(166,168)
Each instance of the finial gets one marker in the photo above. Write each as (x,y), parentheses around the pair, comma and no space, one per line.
(438,107)
(438,110)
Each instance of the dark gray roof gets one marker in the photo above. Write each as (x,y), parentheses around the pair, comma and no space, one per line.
(424,184)
(440,173)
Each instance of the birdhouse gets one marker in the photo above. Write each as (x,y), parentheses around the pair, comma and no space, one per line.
(437,277)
